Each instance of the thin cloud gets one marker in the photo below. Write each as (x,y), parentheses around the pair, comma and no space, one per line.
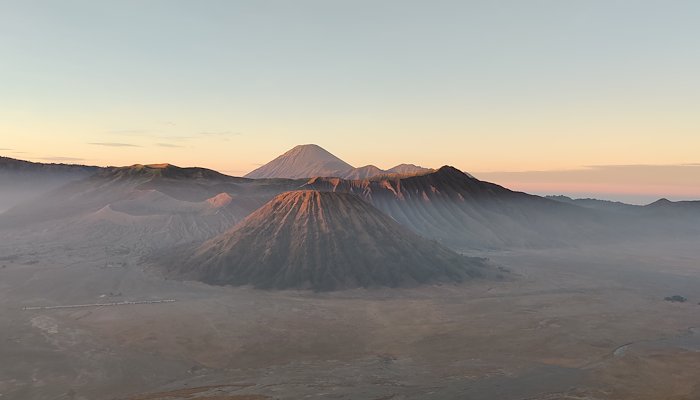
(175,138)
(599,169)
(113,144)
(221,133)
(155,135)
(129,132)
(640,166)
(4,149)
(168,145)
(62,159)
(680,181)
(147,133)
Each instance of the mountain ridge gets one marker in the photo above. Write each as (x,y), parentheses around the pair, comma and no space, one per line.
(22,180)
(447,205)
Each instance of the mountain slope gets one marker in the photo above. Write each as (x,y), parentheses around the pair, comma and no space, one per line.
(323,241)
(365,172)
(604,205)
(142,207)
(302,161)
(147,221)
(113,184)
(408,169)
(463,212)
(22,180)
(8,165)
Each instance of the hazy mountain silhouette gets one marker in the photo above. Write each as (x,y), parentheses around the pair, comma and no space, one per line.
(324,241)
(161,204)
(143,206)
(310,160)
(686,211)
(365,172)
(408,169)
(22,180)
(302,161)
(113,184)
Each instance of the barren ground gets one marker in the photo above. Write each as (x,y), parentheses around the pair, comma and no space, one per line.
(586,323)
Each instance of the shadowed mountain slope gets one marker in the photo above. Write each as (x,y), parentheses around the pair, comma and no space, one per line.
(464,212)
(668,205)
(114,184)
(596,204)
(22,180)
(665,215)
(324,241)
(143,206)
(662,216)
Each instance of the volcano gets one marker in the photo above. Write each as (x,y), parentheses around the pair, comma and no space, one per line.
(311,160)
(302,161)
(324,241)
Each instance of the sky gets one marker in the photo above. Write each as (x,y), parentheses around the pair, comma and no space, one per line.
(587,98)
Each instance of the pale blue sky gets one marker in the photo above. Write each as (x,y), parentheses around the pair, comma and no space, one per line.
(482,85)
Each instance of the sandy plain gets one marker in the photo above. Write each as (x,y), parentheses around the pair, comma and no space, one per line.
(571,323)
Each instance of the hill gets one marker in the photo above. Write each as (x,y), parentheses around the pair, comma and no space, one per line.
(324,241)
(22,180)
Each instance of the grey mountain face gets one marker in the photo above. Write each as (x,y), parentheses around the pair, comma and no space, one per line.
(310,160)
(302,161)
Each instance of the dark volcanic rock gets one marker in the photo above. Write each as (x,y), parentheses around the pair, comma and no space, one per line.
(676,299)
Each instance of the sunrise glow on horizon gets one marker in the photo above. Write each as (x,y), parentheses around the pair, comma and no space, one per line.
(596,98)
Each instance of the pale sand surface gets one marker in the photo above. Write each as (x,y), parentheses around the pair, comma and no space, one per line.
(586,323)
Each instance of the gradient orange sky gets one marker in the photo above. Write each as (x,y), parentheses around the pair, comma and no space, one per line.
(542,96)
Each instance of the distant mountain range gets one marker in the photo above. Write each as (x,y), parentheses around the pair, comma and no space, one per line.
(310,160)
(294,230)
(663,206)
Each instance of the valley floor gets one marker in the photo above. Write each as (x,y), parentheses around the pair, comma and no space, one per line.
(582,323)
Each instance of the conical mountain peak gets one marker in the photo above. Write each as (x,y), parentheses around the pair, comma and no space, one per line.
(312,160)
(303,161)
(324,241)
